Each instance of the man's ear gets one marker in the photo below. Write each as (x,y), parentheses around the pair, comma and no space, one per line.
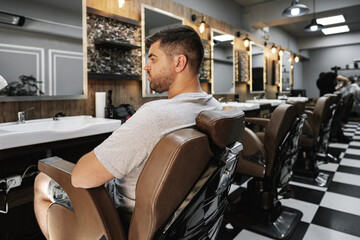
(180,63)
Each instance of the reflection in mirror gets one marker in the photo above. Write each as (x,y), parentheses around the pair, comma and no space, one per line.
(223,80)
(152,20)
(285,72)
(43,58)
(257,69)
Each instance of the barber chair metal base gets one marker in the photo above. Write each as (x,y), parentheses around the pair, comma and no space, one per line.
(306,168)
(328,157)
(279,222)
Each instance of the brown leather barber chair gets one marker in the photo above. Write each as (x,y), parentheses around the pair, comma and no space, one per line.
(181,192)
(315,141)
(268,159)
(348,102)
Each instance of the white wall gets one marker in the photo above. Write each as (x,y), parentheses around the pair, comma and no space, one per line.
(322,60)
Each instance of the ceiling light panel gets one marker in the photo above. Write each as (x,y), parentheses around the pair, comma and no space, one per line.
(224,37)
(331,20)
(334,30)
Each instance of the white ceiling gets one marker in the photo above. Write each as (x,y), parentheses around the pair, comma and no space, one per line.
(263,13)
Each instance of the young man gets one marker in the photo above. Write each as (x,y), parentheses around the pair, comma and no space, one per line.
(327,82)
(175,56)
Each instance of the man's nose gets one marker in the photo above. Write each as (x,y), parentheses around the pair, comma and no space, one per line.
(147,68)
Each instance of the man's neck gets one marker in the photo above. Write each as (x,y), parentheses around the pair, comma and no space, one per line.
(187,85)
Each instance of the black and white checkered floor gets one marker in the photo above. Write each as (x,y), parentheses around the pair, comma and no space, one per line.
(331,212)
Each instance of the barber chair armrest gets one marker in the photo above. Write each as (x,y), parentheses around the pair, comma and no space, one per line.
(93,206)
(262,122)
(309,107)
(252,146)
(58,169)
(309,115)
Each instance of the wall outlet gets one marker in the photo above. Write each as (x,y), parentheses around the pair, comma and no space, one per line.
(13,181)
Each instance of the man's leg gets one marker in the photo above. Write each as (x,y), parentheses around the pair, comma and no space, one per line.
(42,201)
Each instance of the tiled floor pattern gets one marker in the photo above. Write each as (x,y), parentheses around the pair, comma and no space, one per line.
(331,212)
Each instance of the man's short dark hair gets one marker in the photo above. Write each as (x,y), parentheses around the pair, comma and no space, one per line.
(180,39)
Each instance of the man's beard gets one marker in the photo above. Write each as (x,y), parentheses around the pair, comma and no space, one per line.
(161,83)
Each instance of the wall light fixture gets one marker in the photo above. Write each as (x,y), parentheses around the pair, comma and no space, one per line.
(247,41)
(202,24)
(11,19)
(273,48)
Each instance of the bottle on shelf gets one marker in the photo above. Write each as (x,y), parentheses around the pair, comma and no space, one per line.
(109,109)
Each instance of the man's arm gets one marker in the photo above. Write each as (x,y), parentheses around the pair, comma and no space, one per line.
(89,172)
(344,80)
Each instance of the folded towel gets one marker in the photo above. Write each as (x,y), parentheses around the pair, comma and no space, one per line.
(3,82)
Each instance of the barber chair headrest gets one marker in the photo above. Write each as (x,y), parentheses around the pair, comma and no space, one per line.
(334,98)
(222,126)
(299,107)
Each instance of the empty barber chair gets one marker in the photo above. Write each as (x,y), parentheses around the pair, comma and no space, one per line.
(181,192)
(314,142)
(348,102)
(268,159)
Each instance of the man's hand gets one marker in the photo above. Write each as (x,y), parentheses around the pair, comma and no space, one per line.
(89,172)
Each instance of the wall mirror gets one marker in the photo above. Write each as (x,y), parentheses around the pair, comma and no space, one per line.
(286,72)
(47,50)
(152,20)
(258,69)
(223,79)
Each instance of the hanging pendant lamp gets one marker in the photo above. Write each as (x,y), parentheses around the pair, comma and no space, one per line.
(313,26)
(296,9)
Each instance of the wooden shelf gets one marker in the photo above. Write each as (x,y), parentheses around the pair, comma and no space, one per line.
(223,61)
(104,76)
(204,80)
(348,69)
(116,44)
(112,16)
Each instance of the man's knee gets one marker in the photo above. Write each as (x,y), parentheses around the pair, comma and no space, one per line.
(41,185)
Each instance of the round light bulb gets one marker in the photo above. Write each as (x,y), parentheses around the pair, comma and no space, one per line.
(290,59)
(297,59)
(121,3)
(281,52)
(246,43)
(314,28)
(292,66)
(202,27)
(273,49)
(295,11)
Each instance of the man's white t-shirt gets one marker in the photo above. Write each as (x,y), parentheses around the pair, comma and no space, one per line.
(125,152)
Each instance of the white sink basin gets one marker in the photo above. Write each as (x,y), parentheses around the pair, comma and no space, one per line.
(47,130)
(243,106)
(273,102)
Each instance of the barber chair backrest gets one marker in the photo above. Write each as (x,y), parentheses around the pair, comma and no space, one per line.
(348,101)
(187,170)
(278,126)
(288,150)
(320,113)
(300,106)
(325,127)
